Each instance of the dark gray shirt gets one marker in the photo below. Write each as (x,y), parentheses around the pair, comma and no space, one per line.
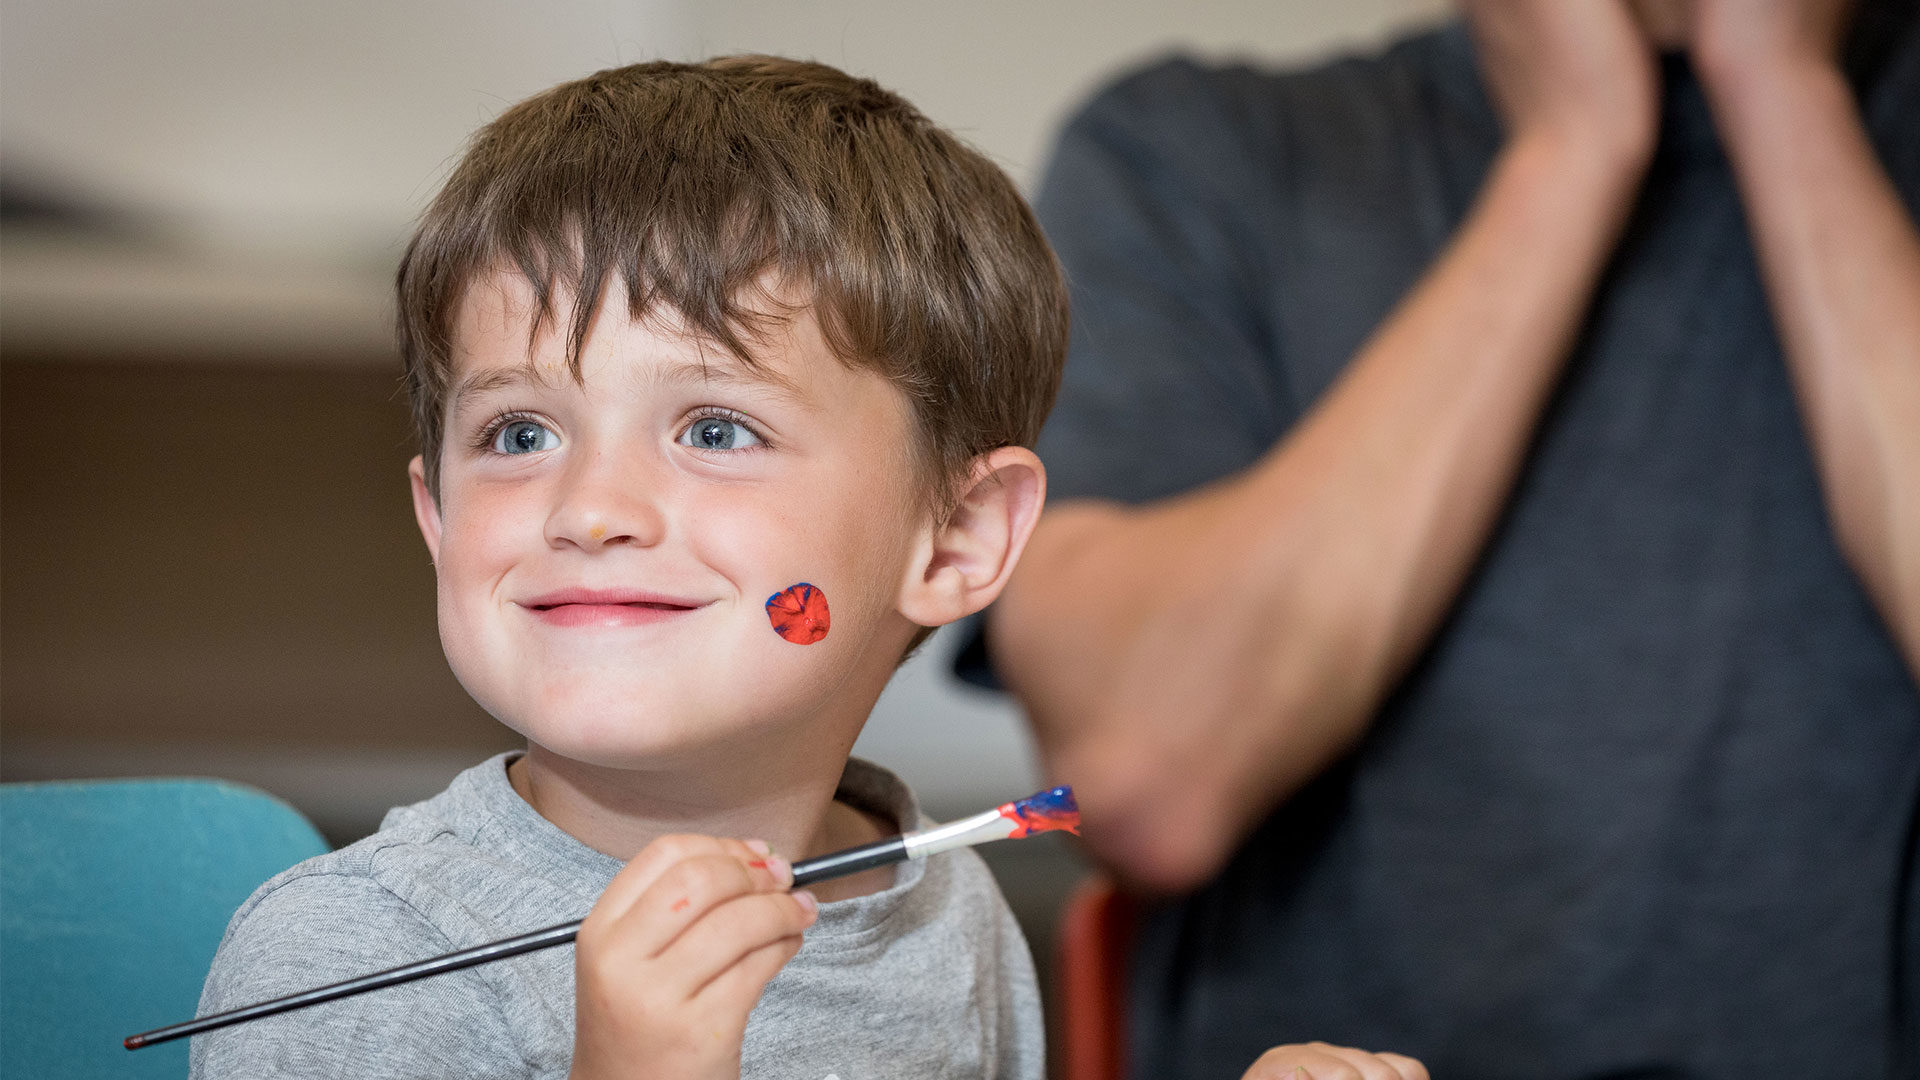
(928,978)
(1647,805)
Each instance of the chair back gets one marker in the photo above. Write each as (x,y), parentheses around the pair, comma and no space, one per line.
(1095,935)
(113,897)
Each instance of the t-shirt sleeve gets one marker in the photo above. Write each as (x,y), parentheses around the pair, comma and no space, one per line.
(1156,201)
(306,931)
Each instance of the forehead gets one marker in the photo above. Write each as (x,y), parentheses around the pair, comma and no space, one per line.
(500,335)
(793,376)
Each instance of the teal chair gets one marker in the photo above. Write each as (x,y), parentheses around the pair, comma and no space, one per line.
(113,897)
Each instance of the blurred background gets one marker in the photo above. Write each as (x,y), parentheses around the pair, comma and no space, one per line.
(209,564)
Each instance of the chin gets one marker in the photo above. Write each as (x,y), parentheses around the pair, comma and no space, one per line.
(638,737)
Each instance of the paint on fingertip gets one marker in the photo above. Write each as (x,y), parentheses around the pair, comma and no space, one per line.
(681,904)
(799,613)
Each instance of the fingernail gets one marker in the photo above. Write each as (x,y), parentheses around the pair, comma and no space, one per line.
(808,902)
(759,847)
(781,869)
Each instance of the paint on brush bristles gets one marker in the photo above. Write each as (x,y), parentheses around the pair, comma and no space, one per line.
(1045,812)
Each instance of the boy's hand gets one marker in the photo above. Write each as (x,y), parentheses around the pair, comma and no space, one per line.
(676,953)
(1319,1061)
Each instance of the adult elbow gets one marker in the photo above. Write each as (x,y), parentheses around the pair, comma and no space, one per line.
(1159,834)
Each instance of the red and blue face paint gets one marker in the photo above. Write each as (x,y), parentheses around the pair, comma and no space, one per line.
(799,613)
(1044,812)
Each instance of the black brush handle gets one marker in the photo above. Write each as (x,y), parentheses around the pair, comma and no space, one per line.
(851,861)
(453,961)
(806,872)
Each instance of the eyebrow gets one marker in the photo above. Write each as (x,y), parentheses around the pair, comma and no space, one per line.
(729,371)
(724,372)
(485,381)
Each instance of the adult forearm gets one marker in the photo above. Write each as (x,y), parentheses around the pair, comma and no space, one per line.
(1841,261)
(1190,663)
(1394,481)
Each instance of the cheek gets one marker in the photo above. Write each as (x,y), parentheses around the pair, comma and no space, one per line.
(829,543)
(482,533)
(799,613)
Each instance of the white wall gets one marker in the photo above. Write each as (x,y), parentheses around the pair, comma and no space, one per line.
(322,125)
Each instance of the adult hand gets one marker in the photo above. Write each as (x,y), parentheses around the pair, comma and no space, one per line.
(1319,1061)
(676,953)
(1578,74)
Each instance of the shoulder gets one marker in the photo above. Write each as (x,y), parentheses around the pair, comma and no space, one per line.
(386,896)
(1184,105)
(372,905)
(331,916)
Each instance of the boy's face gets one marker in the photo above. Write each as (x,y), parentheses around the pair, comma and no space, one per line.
(605,548)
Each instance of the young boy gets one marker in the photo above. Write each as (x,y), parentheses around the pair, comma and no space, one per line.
(723,375)
(680,339)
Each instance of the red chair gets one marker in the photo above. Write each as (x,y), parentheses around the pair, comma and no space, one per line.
(1096,933)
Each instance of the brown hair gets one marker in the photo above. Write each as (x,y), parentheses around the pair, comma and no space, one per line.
(694,183)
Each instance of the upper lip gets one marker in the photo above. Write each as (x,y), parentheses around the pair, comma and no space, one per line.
(562,597)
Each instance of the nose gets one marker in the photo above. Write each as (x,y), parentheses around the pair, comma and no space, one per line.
(605,501)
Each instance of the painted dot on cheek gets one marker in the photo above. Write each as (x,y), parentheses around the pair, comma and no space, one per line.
(799,613)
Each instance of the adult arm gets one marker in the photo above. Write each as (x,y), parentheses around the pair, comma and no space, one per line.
(1841,262)
(1189,663)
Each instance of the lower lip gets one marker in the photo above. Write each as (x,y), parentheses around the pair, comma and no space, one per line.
(607,614)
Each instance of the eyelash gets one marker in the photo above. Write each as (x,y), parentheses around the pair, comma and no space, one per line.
(483,442)
(715,412)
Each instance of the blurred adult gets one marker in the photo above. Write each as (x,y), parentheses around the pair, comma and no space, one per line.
(1485,576)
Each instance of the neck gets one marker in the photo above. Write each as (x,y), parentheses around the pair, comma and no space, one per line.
(788,803)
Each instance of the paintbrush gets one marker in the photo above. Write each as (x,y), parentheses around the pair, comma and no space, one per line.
(1042,812)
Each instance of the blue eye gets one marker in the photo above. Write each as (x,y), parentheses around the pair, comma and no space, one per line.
(718,433)
(523,437)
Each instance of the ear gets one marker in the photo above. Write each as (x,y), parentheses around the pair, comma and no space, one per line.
(962,563)
(426,509)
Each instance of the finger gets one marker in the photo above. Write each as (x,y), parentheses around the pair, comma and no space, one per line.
(1296,1062)
(688,891)
(730,931)
(1350,1064)
(1313,1061)
(645,868)
(738,988)
(1409,1068)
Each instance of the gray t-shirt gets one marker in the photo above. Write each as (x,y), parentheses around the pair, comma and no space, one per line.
(1648,805)
(929,978)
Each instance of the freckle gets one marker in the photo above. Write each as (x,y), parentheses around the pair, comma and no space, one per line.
(681,904)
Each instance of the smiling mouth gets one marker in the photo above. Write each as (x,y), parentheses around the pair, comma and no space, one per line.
(605,609)
(653,604)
